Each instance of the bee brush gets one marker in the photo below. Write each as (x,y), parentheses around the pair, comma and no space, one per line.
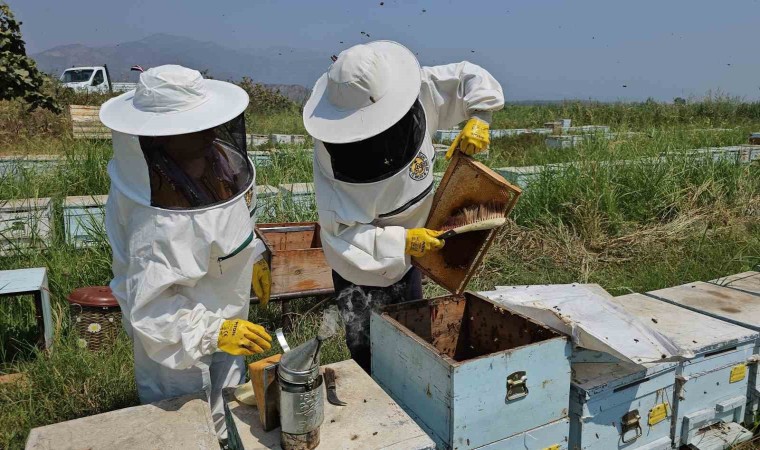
(474,218)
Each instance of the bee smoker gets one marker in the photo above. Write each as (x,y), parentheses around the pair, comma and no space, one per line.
(301,398)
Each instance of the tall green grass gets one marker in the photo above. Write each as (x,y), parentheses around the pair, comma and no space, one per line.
(629,227)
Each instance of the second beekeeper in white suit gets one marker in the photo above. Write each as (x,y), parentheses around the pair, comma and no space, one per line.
(372,116)
(180,217)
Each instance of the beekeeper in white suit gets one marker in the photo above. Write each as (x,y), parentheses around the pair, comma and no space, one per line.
(372,116)
(180,218)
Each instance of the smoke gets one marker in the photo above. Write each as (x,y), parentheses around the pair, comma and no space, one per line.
(329,326)
(356,307)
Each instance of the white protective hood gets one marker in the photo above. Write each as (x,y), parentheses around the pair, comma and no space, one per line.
(178,274)
(583,312)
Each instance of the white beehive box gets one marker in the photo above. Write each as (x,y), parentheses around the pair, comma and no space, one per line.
(267,199)
(445,136)
(261,158)
(84,220)
(257,140)
(25,224)
(12,166)
(279,139)
(474,374)
(711,387)
(298,195)
(616,404)
(521,176)
(734,299)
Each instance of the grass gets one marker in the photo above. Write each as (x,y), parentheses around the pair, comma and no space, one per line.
(628,227)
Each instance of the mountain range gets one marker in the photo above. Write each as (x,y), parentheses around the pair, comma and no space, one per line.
(288,70)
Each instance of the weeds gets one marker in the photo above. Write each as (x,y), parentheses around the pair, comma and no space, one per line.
(629,226)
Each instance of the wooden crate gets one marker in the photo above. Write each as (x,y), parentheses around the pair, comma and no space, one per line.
(298,264)
(466,182)
(473,372)
(86,124)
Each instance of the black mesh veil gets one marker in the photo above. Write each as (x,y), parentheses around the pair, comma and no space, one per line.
(198,169)
(380,156)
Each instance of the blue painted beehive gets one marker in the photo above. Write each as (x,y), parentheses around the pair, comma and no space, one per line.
(711,386)
(616,404)
(474,374)
(734,299)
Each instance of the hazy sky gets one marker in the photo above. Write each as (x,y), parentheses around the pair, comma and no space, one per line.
(538,49)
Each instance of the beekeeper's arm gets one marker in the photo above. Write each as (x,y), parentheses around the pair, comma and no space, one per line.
(363,254)
(462,91)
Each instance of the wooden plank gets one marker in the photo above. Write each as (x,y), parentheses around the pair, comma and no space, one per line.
(90,126)
(294,240)
(740,308)
(82,109)
(465,183)
(183,422)
(85,119)
(300,270)
(370,420)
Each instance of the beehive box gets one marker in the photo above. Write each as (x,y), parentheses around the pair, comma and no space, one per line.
(258,139)
(466,182)
(469,370)
(298,195)
(296,259)
(84,220)
(25,224)
(711,387)
(14,166)
(616,404)
(267,199)
(734,299)
(551,436)
(278,139)
(86,124)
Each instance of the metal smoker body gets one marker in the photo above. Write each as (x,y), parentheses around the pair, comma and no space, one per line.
(301,399)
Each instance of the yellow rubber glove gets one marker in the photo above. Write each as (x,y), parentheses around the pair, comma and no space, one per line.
(474,138)
(241,337)
(421,240)
(261,281)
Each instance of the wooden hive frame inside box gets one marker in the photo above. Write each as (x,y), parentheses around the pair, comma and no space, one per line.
(466,183)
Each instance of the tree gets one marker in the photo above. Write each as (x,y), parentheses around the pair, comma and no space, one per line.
(19,77)
(679,101)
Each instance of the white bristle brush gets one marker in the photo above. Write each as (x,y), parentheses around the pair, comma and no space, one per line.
(474,218)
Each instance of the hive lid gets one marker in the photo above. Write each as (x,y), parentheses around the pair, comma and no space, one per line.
(576,309)
(595,378)
(691,331)
(465,183)
(97,296)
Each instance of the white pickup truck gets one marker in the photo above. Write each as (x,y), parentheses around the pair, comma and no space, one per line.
(92,79)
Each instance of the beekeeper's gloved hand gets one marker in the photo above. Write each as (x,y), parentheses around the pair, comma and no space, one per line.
(474,138)
(241,337)
(419,241)
(261,281)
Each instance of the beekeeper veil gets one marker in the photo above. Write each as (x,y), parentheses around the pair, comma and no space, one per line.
(366,112)
(179,140)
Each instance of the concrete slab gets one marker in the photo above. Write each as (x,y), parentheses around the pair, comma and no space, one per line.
(177,423)
(370,420)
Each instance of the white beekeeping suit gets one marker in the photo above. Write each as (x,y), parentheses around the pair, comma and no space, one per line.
(375,100)
(181,230)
